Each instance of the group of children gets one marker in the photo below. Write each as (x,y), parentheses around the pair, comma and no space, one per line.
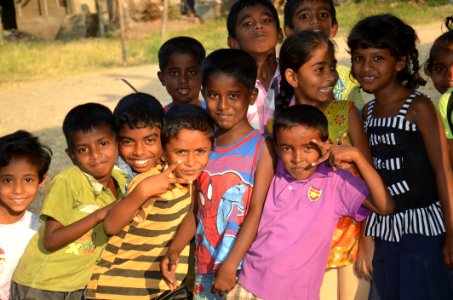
(262,189)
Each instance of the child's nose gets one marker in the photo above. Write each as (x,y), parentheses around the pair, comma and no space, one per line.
(139,149)
(18,187)
(297,156)
(190,161)
(222,104)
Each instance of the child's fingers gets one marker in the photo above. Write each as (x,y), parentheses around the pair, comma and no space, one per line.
(172,167)
(344,139)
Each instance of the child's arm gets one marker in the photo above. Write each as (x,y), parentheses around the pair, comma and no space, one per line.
(364,262)
(124,210)
(57,235)
(423,113)
(357,134)
(184,234)
(226,274)
(380,200)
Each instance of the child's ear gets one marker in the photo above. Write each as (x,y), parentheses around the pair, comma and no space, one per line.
(160,75)
(71,155)
(333,30)
(291,78)
(279,36)
(401,63)
(233,43)
(288,31)
(253,96)
(43,181)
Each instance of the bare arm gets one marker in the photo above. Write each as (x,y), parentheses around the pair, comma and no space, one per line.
(423,113)
(184,234)
(124,210)
(357,134)
(226,275)
(57,235)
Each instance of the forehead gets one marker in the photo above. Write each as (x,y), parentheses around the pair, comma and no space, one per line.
(221,80)
(180,59)
(297,134)
(20,165)
(254,10)
(313,4)
(189,139)
(95,133)
(126,131)
(444,53)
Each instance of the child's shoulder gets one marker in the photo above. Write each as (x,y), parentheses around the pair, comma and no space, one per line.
(156,170)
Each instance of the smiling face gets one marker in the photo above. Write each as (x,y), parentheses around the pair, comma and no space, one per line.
(191,148)
(374,68)
(19,185)
(313,83)
(227,100)
(442,70)
(95,152)
(256,31)
(296,150)
(181,78)
(140,148)
(312,15)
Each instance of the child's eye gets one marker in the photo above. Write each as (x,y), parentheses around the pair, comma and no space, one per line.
(126,143)
(200,151)
(82,150)
(7,180)
(192,72)
(324,15)
(173,73)
(357,59)
(233,96)
(212,95)
(29,179)
(308,148)
(181,152)
(267,21)
(103,143)
(285,149)
(150,141)
(378,58)
(439,68)
(304,16)
(247,24)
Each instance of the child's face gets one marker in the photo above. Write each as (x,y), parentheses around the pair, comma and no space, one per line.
(191,148)
(312,15)
(181,78)
(297,151)
(313,83)
(227,100)
(95,152)
(140,148)
(256,31)
(19,185)
(442,70)
(375,69)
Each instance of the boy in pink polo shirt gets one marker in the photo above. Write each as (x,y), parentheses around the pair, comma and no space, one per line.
(305,200)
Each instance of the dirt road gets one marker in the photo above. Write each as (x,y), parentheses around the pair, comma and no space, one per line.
(41,106)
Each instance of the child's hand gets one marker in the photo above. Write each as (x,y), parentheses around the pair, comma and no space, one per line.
(337,155)
(160,184)
(102,213)
(225,280)
(448,250)
(364,263)
(168,267)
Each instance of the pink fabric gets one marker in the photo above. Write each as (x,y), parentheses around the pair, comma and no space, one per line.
(288,257)
(259,113)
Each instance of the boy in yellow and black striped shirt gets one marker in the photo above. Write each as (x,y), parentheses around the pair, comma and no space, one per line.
(159,198)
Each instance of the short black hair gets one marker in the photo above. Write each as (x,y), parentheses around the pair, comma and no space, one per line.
(85,117)
(180,45)
(303,115)
(138,110)
(233,62)
(186,116)
(239,5)
(290,8)
(22,144)
(440,45)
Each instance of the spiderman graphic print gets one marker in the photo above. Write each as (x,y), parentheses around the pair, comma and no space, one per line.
(225,187)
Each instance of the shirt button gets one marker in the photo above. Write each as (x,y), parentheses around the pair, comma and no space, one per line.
(290,187)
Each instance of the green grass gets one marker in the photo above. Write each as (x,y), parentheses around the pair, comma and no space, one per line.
(30,61)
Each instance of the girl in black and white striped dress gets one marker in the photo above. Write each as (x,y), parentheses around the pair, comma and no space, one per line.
(413,246)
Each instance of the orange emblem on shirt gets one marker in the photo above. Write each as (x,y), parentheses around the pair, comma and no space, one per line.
(314,193)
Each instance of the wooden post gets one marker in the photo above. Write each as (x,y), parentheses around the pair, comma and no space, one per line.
(101,25)
(164,22)
(123,43)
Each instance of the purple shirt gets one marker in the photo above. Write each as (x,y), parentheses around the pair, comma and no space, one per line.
(288,257)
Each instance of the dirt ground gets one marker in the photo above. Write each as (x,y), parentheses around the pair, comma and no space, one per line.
(40,107)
